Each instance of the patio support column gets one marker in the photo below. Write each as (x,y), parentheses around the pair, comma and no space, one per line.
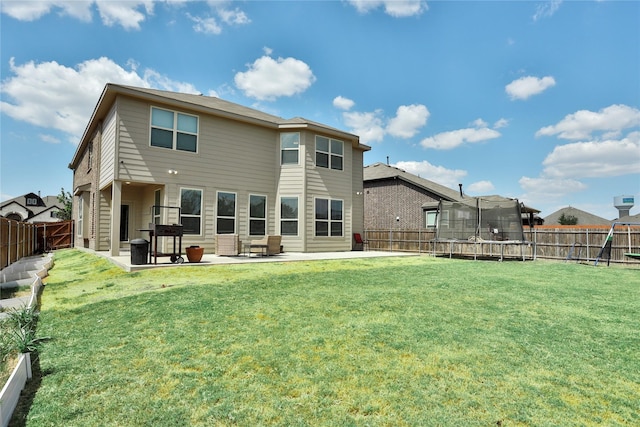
(116,200)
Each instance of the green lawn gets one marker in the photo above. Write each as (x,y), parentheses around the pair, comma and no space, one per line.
(413,341)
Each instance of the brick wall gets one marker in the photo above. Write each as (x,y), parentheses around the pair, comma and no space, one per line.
(87,173)
(386,200)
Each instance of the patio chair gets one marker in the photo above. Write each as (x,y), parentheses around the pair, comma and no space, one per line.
(272,243)
(227,244)
(360,242)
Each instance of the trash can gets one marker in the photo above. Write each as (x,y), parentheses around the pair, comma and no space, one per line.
(139,251)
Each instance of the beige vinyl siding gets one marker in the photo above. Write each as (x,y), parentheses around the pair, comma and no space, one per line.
(104,219)
(107,148)
(328,184)
(232,156)
(291,183)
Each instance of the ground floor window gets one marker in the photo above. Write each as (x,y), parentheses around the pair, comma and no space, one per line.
(430,219)
(329,217)
(257,215)
(191,210)
(226,213)
(289,216)
(80,215)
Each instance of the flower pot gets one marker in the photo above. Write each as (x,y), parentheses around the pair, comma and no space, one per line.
(194,253)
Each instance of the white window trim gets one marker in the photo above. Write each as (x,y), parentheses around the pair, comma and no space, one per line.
(235,210)
(328,220)
(250,218)
(80,224)
(329,153)
(297,197)
(427,213)
(191,215)
(175,130)
(289,149)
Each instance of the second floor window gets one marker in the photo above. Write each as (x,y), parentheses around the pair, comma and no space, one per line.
(173,130)
(289,148)
(329,153)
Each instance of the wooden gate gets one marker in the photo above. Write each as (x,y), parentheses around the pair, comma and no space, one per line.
(55,235)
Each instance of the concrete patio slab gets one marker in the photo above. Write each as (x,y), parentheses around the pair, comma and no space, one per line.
(124,259)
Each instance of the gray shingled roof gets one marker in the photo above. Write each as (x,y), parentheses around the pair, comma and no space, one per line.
(584,218)
(206,104)
(379,171)
(210,102)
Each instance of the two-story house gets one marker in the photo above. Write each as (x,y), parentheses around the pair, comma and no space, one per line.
(32,208)
(151,156)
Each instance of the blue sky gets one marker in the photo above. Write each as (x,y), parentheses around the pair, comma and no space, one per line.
(538,100)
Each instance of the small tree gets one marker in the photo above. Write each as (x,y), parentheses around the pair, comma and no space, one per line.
(66,199)
(567,220)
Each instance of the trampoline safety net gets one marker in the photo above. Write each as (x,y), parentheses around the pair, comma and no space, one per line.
(480,219)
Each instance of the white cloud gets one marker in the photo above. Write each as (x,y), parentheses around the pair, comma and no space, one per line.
(343,103)
(210,25)
(480,187)
(595,158)
(452,139)
(582,124)
(126,13)
(395,8)
(566,164)
(528,86)
(49,138)
(501,123)
(33,10)
(408,120)
(443,176)
(546,9)
(54,96)
(233,17)
(374,126)
(368,126)
(129,14)
(205,25)
(547,189)
(268,78)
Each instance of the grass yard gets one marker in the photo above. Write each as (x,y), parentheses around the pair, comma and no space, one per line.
(410,341)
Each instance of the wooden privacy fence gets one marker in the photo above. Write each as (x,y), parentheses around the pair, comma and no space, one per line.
(21,239)
(576,243)
(54,235)
(17,240)
(549,242)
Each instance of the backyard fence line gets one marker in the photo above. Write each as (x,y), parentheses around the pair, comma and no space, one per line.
(23,239)
(17,240)
(545,242)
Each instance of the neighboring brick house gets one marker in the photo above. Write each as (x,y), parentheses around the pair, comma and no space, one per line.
(31,208)
(394,198)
